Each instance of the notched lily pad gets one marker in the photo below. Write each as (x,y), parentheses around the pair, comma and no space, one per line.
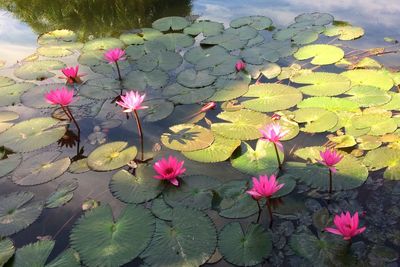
(63,194)
(38,70)
(322,54)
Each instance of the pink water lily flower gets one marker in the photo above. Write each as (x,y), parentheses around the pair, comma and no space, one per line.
(132,101)
(240,65)
(330,158)
(60,96)
(114,55)
(72,75)
(169,169)
(346,225)
(264,187)
(273,133)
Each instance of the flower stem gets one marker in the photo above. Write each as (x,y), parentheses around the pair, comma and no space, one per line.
(140,130)
(270,212)
(66,113)
(119,72)
(76,124)
(277,157)
(330,181)
(259,211)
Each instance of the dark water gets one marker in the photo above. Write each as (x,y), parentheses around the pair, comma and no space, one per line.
(21,21)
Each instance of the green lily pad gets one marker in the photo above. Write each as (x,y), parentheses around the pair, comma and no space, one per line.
(315,18)
(228,89)
(257,22)
(5,118)
(173,41)
(195,191)
(158,109)
(17,212)
(369,78)
(57,37)
(174,23)
(6,81)
(243,124)
(244,247)
(40,168)
(270,97)
(207,28)
(394,103)
(189,240)
(379,122)
(79,166)
(268,70)
(9,164)
(329,103)
(270,51)
(220,150)
(32,134)
(111,156)
(368,63)
(145,34)
(206,57)
(183,95)
(384,157)
(351,172)
(231,39)
(100,89)
(7,250)
(161,209)
(368,96)
(322,54)
(165,60)
(322,83)
(262,160)
(344,33)
(140,80)
(187,137)
(38,70)
(192,79)
(289,185)
(137,188)
(291,71)
(369,142)
(34,254)
(103,44)
(68,258)
(61,50)
(342,141)
(317,120)
(63,194)
(10,95)
(35,97)
(118,241)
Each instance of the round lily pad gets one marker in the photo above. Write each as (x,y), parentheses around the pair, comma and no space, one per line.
(79,166)
(344,33)
(6,81)
(368,96)
(17,212)
(220,150)
(158,109)
(243,124)
(207,28)
(174,23)
(67,258)
(189,240)
(34,97)
(271,97)
(32,134)
(173,41)
(101,88)
(63,194)
(315,18)
(111,156)
(5,118)
(165,60)
(9,164)
(140,80)
(342,141)
(118,241)
(262,160)
(322,54)
(145,34)
(244,247)
(369,78)
(187,137)
(329,103)
(103,44)
(379,122)
(7,250)
(228,89)
(137,188)
(40,168)
(57,37)
(206,57)
(34,254)
(322,83)
(257,22)
(38,70)
(271,52)
(195,191)
(368,142)
(61,50)
(191,78)
(10,95)
(161,209)
(384,157)
(183,95)
(317,120)
(232,39)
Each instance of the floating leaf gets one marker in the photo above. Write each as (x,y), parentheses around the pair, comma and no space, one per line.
(322,54)
(174,23)
(190,240)
(68,258)
(244,247)
(243,124)
(103,44)
(329,103)
(378,121)
(257,22)
(7,250)
(228,89)
(315,18)
(367,63)
(368,142)
(161,209)
(34,254)
(61,50)
(345,33)
(10,95)
(140,80)
(342,141)
(369,78)
(183,95)
(317,120)
(191,78)
(394,103)
(207,28)
(271,52)
(111,156)
(40,168)
(137,188)
(101,88)
(38,70)
(322,83)
(32,134)
(145,34)
(173,41)
(63,194)
(6,81)
(158,109)
(262,160)
(35,97)
(165,60)
(384,157)
(57,37)
(79,166)
(270,97)
(368,96)
(117,241)
(9,164)
(194,191)
(17,212)
(220,150)
(5,118)
(187,137)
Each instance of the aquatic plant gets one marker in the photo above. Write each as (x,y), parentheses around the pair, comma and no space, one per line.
(169,169)
(346,225)
(115,55)
(330,158)
(72,75)
(273,133)
(240,65)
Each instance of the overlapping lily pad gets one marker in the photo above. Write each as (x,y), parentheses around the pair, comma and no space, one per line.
(63,194)
(38,70)
(345,33)
(174,41)
(158,109)
(10,95)
(270,51)
(369,78)
(17,212)
(368,96)
(329,103)
(140,80)
(183,95)
(6,81)
(118,241)
(61,50)
(384,157)
(101,88)
(317,120)
(111,156)
(322,83)
(321,54)
(9,164)
(5,118)
(315,18)
(174,23)
(41,168)
(207,28)
(57,37)
(103,44)
(191,78)
(7,250)
(257,22)
(228,89)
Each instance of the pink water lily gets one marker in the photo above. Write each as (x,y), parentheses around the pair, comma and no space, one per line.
(114,55)
(132,101)
(59,96)
(169,169)
(330,158)
(240,65)
(273,133)
(264,187)
(346,225)
(72,75)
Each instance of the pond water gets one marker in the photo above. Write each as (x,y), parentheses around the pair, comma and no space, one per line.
(364,128)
